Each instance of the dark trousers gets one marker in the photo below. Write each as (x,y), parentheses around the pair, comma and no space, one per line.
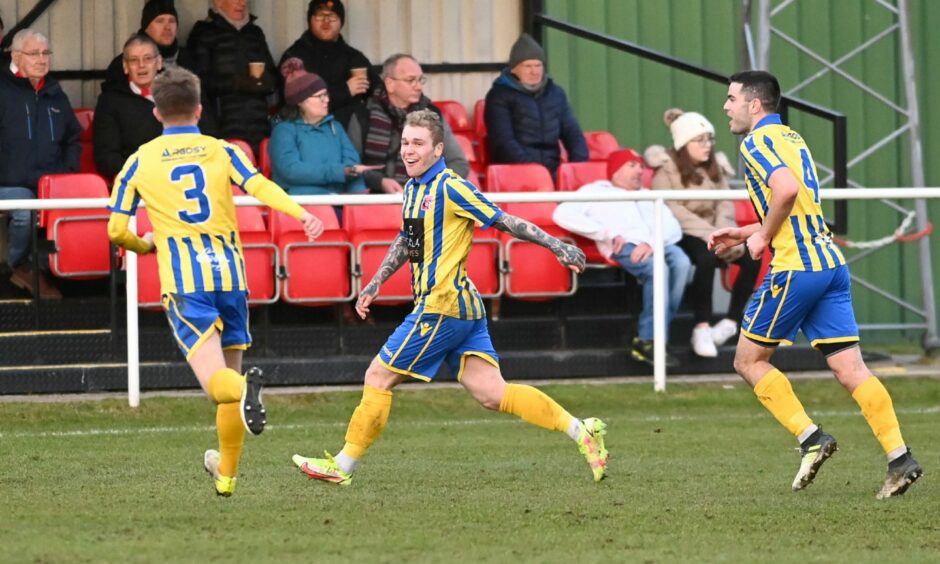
(703,281)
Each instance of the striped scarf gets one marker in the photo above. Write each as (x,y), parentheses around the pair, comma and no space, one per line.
(381,147)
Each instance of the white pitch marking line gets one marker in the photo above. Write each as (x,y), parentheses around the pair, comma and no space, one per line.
(421,423)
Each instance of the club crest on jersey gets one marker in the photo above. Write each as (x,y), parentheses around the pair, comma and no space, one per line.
(426,203)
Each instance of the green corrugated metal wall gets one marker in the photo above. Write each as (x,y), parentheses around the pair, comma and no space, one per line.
(621,93)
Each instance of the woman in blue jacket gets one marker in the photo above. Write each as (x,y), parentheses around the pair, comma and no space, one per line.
(310,151)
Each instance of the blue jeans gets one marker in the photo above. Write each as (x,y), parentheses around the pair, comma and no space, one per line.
(19,232)
(678,266)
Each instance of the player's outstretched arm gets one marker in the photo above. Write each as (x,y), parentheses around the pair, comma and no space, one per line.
(121,236)
(568,255)
(396,256)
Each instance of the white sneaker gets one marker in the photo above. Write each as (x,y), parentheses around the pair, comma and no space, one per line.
(723,330)
(702,342)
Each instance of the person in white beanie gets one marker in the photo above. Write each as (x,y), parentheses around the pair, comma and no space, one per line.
(691,163)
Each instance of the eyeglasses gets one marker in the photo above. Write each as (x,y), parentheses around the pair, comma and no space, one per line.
(37,54)
(323,96)
(704,140)
(145,60)
(412,81)
(326,17)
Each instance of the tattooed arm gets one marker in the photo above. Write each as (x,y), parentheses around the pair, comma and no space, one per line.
(397,256)
(568,255)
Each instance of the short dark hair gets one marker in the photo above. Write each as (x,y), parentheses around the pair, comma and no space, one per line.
(761,85)
(176,93)
(428,119)
(140,39)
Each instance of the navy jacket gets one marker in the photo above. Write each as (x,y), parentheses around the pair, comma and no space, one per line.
(38,131)
(525,127)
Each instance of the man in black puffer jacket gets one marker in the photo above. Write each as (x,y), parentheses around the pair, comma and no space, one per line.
(527,114)
(38,135)
(223,45)
(324,52)
(124,117)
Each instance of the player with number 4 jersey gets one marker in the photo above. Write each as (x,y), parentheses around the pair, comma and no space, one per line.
(807,289)
(185,179)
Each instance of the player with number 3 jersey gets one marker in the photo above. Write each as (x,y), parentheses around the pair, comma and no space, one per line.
(185,180)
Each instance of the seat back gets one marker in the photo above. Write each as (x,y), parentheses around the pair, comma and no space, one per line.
(82,248)
(744,214)
(261,256)
(572,176)
(86,117)
(371,230)
(534,272)
(522,177)
(455,115)
(264,160)
(148,273)
(317,273)
(246,148)
(600,144)
(479,132)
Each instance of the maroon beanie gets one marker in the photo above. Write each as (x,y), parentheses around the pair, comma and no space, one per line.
(619,158)
(298,83)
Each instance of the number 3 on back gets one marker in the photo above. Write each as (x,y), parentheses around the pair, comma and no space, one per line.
(196,193)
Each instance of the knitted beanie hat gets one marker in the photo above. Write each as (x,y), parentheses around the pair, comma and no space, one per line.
(686,126)
(154,8)
(619,158)
(298,83)
(332,5)
(524,49)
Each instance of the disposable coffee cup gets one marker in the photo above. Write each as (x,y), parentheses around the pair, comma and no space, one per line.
(256,69)
(359,72)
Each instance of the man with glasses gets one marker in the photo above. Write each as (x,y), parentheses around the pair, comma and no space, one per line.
(159,22)
(39,135)
(124,117)
(375,130)
(349,77)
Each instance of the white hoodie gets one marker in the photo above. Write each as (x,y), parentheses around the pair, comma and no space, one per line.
(602,221)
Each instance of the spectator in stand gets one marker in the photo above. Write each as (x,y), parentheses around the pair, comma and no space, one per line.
(623,232)
(375,130)
(692,164)
(39,135)
(349,77)
(236,70)
(310,151)
(124,117)
(159,22)
(527,114)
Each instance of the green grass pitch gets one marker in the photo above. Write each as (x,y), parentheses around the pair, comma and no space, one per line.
(699,474)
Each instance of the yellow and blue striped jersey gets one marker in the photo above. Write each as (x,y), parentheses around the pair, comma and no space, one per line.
(439,213)
(185,178)
(803,241)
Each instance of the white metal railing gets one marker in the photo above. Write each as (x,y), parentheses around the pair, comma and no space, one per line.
(658,196)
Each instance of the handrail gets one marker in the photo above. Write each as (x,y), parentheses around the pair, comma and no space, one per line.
(840,143)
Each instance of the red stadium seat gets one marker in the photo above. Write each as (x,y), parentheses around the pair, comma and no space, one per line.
(85,117)
(600,144)
(456,116)
(246,147)
(484,261)
(261,261)
(744,214)
(467,145)
(572,176)
(371,231)
(148,274)
(479,132)
(265,160)
(521,177)
(82,247)
(533,272)
(314,273)
(261,256)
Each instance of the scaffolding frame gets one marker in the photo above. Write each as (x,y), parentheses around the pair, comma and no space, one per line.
(758,51)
